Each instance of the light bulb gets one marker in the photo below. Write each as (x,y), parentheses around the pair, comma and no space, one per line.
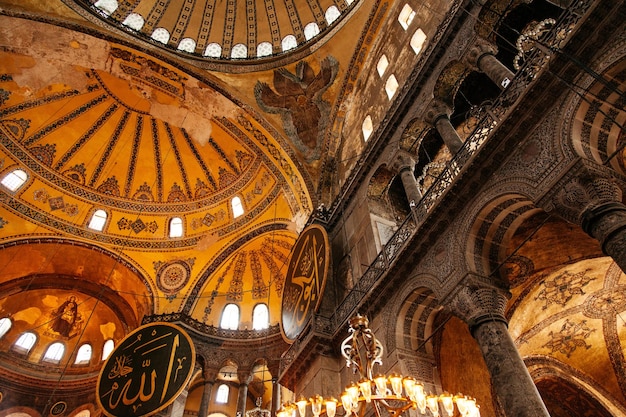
(448,403)
(331,407)
(381,384)
(346,402)
(419,397)
(396,384)
(433,405)
(353,392)
(366,389)
(409,383)
(301,403)
(316,405)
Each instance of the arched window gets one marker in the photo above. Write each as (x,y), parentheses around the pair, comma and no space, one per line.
(332,14)
(106,6)
(98,220)
(382,65)
(213,50)
(14,179)
(264,49)
(222,394)
(311,30)
(108,347)
(25,342)
(134,21)
(289,42)
(391,86)
(367,127)
(54,353)
(83,355)
(5,326)
(176,227)
(239,51)
(187,45)
(161,35)
(260,317)
(417,40)
(237,207)
(406,16)
(230,317)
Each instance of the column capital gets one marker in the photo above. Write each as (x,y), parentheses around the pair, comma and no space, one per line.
(245,376)
(436,110)
(403,160)
(478,50)
(477,301)
(582,191)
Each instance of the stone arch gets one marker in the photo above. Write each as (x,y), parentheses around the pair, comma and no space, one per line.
(386,201)
(449,81)
(409,319)
(594,120)
(549,373)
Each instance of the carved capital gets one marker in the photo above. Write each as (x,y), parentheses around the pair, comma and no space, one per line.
(436,110)
(478,50)
(584,189)
(476,302)
(403,160)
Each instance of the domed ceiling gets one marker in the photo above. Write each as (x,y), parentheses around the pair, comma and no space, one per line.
(224,29)
(110,129)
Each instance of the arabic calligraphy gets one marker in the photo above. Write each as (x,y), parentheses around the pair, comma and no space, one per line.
(146,372)
(305,281)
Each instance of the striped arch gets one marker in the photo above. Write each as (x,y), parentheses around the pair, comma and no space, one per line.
(492,227)
(410,317)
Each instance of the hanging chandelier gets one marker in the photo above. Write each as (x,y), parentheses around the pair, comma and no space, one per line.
(392,395)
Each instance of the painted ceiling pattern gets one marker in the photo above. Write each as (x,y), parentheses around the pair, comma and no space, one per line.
(222,29)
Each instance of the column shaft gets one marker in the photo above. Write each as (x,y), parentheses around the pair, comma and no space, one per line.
(447,132)
(509,376)
(411,187)
(206,399)
(495,70)
(275,396)
(607,224)
(242,399)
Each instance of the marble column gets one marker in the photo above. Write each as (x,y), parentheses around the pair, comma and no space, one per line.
(482,308)
(405,165)
(438,115)
(275,396)
(209,380)
(482,57)
(242,399)
(589,195)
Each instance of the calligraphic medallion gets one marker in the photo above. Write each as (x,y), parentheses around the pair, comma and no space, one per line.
(146,372)
(305,280)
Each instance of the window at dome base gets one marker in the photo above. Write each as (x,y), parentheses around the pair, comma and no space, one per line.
(289,42)
(187,45)
(25,342)
(176,227)
(264,49)
(311,30)
(332,14)
(98,220)
(134,21)
(54,353)
(239,51)
(237,207)
(230,317)
(260,317)
(14,179)
(107,349)
(106,6)
(83,356)
(213,50)
(5,326)
(161,35)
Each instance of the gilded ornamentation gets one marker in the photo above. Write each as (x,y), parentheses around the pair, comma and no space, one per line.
(569,338)
(137,225)
(563,287)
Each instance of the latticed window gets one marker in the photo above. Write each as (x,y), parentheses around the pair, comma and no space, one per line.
(25,342)
(213,50)
(289,42)
(134,21)
(161,35)
(406,16)
(417,40)
(83,355)
(332,14)
(260,317)
(54,353)
(382,65)
(98,220)
(176,227)
(106,6)
(222,394)
(237,207)
(367,128)
(187,45)
(230,317)
(264,49)
(239,51)
(391,86)
(14,179)
(5,326)
(108,347)
(311,30)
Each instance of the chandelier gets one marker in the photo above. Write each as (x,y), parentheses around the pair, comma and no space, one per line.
(392,394)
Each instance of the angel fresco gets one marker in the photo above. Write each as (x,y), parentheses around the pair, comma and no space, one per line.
(298,99)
